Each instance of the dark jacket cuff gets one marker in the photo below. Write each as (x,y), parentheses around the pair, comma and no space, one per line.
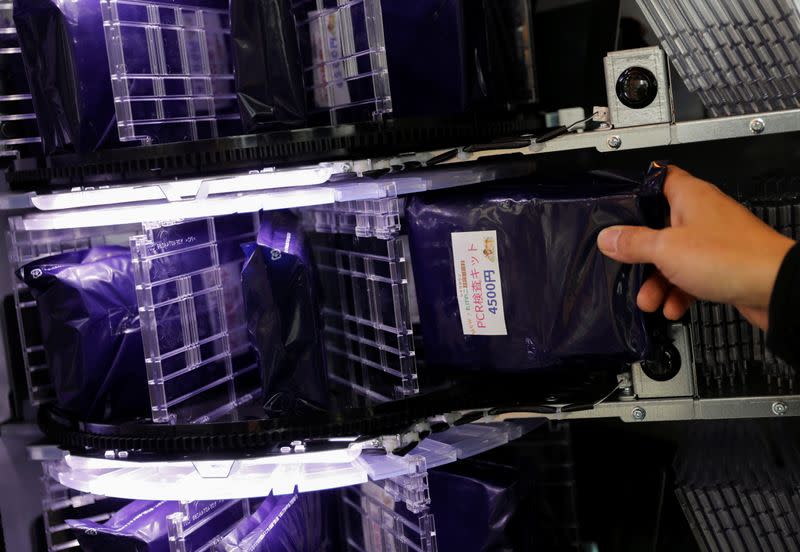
(783,337)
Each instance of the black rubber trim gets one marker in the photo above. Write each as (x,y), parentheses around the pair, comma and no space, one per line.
(255,151)
(225,440)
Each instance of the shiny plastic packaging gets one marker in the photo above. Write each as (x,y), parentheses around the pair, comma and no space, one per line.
(268,67)
(64,50)
(509,277)
(142,526)
(474,503)
(90,329)
(284,319)
(478,55)
(290,523)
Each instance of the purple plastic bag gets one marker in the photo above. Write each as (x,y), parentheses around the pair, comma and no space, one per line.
(509,277)
(474,504)
(291,523)
(284,318)
(269,72)
(90,329)
(142,525)
(63,46)
(478,56)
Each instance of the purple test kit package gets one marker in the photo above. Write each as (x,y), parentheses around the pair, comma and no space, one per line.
(269,71)
(474,504)
(87,307)
(509,277)
(143,525)
(63,47)
(284,318)
(288,523)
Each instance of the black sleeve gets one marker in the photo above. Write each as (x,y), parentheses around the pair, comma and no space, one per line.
(783,337)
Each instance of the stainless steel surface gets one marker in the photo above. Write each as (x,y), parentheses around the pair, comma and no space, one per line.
(655,135)
(666,410)
(652,59)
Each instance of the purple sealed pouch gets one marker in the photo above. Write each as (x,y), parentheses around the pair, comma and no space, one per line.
(474,504)
(284,318)
(290,523)
(63,47)
(142,525)
(90,329)
(269,70)
(509,277)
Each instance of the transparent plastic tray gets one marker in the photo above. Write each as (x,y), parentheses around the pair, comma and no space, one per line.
(171,69)
(60,503)
(344,59)
(185,539)
(199,363)
(741,56)
(361,261)
(19,135)
(375,521)
(26,246)
(284,474)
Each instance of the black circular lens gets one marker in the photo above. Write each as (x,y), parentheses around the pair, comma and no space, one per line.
(637,87)
(665,366)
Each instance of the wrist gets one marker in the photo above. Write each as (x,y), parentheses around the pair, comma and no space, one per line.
(774,258)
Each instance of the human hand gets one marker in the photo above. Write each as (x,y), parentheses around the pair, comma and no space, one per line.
(714,249)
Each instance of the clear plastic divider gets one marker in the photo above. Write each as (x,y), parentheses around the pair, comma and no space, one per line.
(171,69)
(19,134)
(199,363)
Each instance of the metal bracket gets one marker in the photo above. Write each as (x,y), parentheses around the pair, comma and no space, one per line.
(665,410)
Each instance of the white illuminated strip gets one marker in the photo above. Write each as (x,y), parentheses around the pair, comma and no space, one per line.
(178,210)
(189,189)
(278,474)
(217,205)
(246,193)
(341,456)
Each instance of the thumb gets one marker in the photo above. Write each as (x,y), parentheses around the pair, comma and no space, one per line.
(629,244)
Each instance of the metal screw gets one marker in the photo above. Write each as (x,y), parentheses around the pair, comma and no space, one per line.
(757,125)
(779,408)
(638,413)
(614,142)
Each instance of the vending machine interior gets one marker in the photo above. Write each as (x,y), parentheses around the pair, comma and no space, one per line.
(322,275)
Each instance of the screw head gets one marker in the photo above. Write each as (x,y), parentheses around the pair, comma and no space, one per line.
(757,125)
(638,413)
(779,408)
(614,142)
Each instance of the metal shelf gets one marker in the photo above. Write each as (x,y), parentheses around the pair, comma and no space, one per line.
(678,409)
(348,180)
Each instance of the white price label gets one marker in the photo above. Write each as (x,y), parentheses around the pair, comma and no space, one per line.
(478,286)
